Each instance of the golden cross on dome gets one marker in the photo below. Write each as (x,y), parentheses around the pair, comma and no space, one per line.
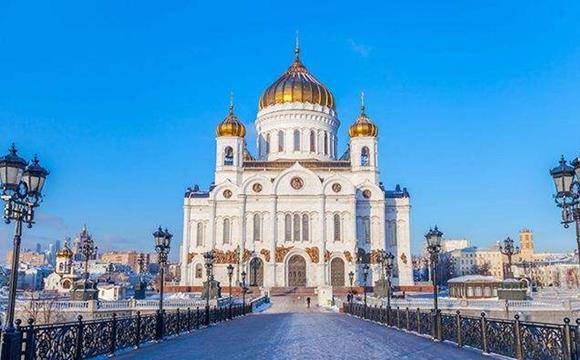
(231,101)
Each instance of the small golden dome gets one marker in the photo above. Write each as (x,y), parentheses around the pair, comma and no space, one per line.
(231,125)
(363,126)
(65,252)
(297,85)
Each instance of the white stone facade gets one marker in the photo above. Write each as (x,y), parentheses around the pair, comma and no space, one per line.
(298,208)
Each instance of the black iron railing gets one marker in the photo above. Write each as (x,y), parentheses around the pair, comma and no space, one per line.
(84,339)
(511,338)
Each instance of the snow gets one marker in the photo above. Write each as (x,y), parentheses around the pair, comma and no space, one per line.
(312,335)
(473,278)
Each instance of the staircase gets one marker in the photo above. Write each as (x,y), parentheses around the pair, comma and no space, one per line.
(292,299)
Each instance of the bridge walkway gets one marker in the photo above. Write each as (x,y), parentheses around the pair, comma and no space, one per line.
(277,334)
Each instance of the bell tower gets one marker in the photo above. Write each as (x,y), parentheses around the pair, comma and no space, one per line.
(526,244)
(230,148)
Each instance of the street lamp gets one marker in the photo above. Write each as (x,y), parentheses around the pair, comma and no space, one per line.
(388,263)
(567,182)
(162,246)
(433,238)
(230,274)
(21,189)
(351,279)
(244,291)
(88,249)
(209,258)
(508,249)
(365,277)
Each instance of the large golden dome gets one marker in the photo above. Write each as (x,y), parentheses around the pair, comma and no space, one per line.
(363,126)
(297,85)
(231,125)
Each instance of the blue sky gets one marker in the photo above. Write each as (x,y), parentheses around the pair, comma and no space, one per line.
(474,100)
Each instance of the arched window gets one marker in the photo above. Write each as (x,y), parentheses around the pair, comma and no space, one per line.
(325,143)
(226,231)
(312,141)
(199,239)
(366,229)
(228,156)
(336,222)
(296,229)
(198,271)
(257,227)
(288,227)
(305,227)
(280,141)
(296,140)
(267,144)
(364,156)
(61,267)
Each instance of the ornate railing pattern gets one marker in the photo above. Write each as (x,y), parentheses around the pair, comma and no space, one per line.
(84,339)
(511,338)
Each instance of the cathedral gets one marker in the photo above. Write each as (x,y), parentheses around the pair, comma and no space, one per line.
(294,212)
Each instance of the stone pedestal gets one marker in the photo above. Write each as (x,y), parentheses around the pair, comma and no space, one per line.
(325,295)
(140,291)
(381,288)
(213,288)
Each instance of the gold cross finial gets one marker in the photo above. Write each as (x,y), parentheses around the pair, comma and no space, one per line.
(362,102)
(231,101)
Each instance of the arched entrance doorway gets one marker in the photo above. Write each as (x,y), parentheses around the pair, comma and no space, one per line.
(337,272)
(296,271)
(256,272)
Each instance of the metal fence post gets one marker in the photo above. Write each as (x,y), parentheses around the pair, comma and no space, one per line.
(419,321)
(407,317)
(79,339)
(567,343)
(458,325)
(30,340)
(113,339)
(518,338)
(197,318)
(188,319)
(398,318)
(12,342)
(179,316)
(158,324)
(137,330)
(484,333)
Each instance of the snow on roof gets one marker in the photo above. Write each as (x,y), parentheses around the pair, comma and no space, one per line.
(473,278)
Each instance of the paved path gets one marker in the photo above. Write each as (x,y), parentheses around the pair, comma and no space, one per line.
(315,335)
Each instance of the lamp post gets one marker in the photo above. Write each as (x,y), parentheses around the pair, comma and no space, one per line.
(433,238)
(508,249)
(162,246)
(208,258)
(388,263)
(351,279)
(88,249)
(244,291)
(21,186)
(567,182)
(365,277)
(230,274)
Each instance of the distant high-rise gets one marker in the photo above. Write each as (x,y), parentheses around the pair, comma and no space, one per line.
(38,248)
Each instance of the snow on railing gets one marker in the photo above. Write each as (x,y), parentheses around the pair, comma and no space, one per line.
(488,304)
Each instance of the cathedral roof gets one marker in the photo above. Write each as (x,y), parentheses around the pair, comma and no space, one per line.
(231,125)
(297,85)
(363,126)
(65,251)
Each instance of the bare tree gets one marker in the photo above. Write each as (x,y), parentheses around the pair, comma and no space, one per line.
(483,269)
(42,310)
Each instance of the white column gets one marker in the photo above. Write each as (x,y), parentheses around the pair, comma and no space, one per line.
(211,225)
(185,245)
(322,276)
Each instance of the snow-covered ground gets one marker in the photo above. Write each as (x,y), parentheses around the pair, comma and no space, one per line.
(313,335)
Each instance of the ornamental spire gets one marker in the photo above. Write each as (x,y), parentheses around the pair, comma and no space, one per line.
(231,102)
(297,46)
(362,102)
